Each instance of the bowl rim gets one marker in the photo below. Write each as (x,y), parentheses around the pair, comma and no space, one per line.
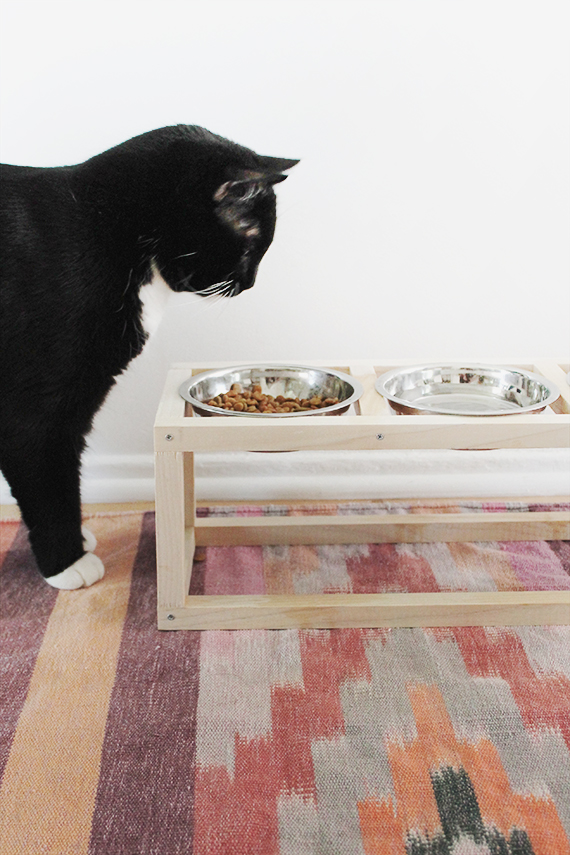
(383,379)
(357,387)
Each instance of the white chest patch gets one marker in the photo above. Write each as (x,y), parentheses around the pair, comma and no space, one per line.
(154,297)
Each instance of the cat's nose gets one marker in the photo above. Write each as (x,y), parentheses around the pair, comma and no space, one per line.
(246,282)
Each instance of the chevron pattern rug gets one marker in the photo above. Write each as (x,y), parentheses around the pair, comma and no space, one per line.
(118,739)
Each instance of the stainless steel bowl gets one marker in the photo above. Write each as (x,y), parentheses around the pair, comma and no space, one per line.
(291,381)
(465,390)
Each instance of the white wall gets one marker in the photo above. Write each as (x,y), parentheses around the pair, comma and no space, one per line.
(428,218)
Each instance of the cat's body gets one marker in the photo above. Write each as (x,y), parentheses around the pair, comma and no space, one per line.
(83,248)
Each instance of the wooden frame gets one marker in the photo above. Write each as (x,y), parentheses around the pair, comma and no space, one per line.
(178,435)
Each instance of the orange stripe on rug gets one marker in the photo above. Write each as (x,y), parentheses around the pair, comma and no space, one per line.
(412,762)
(506,809)
(283,566)
(471,557)
(50,782)
(382,832)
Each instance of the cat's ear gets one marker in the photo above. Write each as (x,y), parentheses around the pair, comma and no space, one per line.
(275,165)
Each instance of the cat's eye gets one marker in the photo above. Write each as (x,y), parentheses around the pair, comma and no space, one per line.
(238,191)
(243,191)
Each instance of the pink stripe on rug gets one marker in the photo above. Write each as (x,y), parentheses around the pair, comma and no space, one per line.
(145,799)
(234,570)
(537,566)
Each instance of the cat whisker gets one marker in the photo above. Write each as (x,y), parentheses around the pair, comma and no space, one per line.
(128,281)
(215,286)
(211,297)
(147,241)
(123,295)
(221,288)
(183,284)
(210,303)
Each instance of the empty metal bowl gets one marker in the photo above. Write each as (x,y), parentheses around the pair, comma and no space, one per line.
(291,381)
(460,390)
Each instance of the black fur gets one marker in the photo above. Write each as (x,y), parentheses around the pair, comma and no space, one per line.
(77,244)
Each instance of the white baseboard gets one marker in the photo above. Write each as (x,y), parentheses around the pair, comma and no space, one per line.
(337,475)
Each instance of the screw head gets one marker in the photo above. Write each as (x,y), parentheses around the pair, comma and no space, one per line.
(379,436)
(170,617)
(169,437)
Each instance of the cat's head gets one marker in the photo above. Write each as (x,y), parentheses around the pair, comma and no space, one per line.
(221,217)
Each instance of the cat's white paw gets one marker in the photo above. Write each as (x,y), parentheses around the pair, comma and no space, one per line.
(84,572)
(89,540)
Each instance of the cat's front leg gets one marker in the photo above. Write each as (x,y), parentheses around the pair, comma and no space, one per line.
(81,574)
(89,540)
(44,479)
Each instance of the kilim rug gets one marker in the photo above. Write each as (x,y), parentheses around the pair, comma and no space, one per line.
(118,739)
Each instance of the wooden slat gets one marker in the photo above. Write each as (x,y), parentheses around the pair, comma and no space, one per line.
(361,433)
(370,403)
(171,406)
(553,371)
(412,528)
(331,611)
(171,539)
(189,489)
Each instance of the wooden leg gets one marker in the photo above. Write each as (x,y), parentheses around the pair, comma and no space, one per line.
(189,516)
(174,541)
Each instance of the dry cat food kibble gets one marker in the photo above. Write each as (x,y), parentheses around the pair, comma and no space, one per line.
(253,400)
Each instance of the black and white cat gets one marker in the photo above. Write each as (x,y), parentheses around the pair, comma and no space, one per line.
(80,245)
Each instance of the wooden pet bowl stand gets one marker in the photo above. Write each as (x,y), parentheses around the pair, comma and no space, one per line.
(178,435)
